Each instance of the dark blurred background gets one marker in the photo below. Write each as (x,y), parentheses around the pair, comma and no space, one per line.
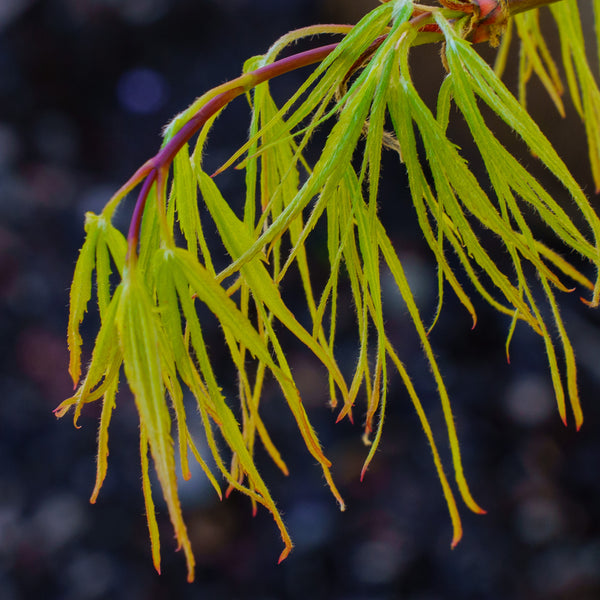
(85,88)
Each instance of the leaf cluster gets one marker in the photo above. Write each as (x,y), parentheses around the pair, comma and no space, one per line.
(362,89)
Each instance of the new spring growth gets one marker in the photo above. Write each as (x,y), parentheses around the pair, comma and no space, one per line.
(151,284)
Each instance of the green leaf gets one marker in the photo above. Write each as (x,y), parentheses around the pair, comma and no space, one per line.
(81,292)
(108,405)
(237,239)
(582,83)
(185,198)
(104,366)
(208,291)
(140,338)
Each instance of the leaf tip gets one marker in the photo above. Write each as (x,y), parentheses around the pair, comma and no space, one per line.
(346,412)
(363,472)
(217,172)
(456,538)
(75,375)
(284,554)
(95,492)
(591,303)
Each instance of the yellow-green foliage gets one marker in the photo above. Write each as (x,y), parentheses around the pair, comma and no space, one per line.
(150,330)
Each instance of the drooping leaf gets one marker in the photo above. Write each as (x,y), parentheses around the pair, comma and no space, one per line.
(361,88)
(139,335)
(81,292)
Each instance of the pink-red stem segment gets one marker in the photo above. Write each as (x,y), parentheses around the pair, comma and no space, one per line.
(166,155)
(158,165)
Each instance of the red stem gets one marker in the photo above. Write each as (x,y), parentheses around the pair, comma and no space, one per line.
(280,67)
(166,155)
(138,211)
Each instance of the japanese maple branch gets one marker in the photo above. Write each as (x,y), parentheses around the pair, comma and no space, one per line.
(161,161)
(491,12)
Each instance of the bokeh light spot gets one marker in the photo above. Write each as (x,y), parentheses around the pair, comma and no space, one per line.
(141,91)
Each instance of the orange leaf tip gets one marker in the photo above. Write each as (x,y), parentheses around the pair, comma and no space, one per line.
(346,411)
(284,554)
(457,537)
(590,303)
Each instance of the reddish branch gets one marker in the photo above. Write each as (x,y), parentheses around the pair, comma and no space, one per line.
(488,17)
(165,156)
